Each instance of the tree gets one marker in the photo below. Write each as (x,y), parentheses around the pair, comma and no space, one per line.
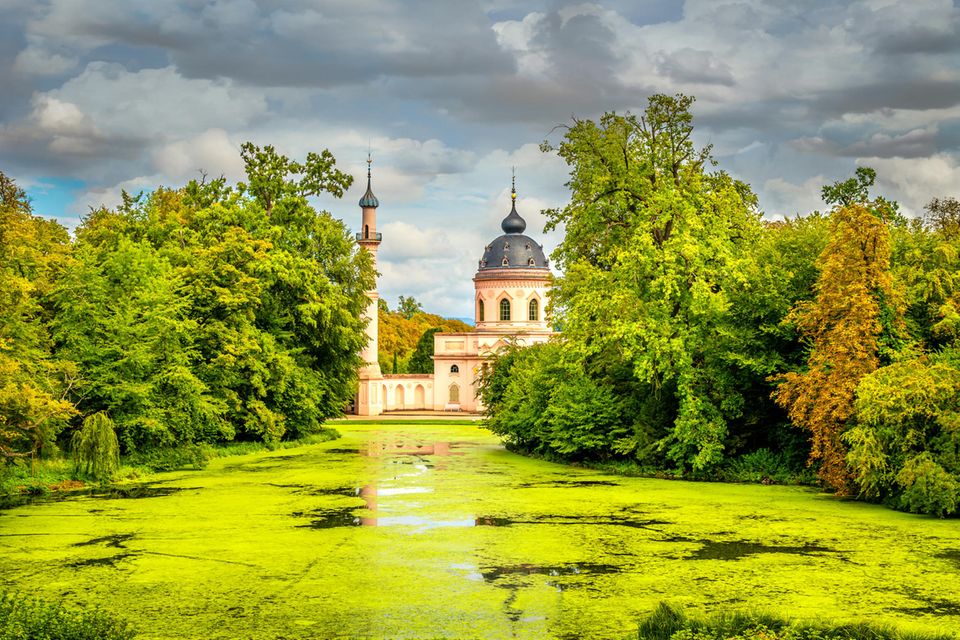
(653,244)
(421,360)
(96,451)
(271,176)
(851,327)
(904,445)
(34,252)
(409,307)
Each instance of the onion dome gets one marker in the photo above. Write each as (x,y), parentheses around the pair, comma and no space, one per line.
(368,199)
(513,223)
(513,250)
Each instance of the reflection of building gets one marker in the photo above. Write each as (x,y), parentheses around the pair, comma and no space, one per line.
(511,290)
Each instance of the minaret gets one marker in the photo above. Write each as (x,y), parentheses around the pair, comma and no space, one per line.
(369,402)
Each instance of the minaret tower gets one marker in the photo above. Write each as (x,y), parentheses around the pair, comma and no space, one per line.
(369,401)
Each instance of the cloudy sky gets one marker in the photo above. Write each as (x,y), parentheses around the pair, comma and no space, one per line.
(102,95)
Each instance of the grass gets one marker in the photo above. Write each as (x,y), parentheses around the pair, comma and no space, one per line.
(670,623)
(30,618)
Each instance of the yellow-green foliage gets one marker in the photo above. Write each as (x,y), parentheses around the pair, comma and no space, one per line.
(25,617)
(238,550)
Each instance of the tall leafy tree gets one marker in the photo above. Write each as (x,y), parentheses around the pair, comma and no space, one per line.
(851,326)
(34,252)
(653,243)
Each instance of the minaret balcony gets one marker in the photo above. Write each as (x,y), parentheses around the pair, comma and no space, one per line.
(370,236)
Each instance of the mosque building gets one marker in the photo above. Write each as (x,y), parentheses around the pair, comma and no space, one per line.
(511,288)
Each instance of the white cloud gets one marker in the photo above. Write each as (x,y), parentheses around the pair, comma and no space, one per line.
(915,181)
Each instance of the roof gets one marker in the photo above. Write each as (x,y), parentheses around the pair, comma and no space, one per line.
(368,199)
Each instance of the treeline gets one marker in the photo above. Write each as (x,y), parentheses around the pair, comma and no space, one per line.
(406,336)
(204,314)
(700,340)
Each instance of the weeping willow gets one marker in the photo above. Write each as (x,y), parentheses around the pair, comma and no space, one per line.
(96,451)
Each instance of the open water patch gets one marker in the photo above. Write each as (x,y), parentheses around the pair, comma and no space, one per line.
(347,491)
(737,549)
(566,484)
(136,492)
(329,518)
(116,540)
(603,521)
(952,556)
(109,561)
(494,573)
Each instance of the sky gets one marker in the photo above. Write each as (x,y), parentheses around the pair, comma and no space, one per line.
(97,96)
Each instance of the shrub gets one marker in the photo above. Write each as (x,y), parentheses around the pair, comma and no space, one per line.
(96,451)
(23,617)
(191,456)
(669,623)
(927,488)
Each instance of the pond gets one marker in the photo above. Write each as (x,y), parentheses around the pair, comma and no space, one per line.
(434,530)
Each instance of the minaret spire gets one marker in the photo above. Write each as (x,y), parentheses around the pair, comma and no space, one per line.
(368,199)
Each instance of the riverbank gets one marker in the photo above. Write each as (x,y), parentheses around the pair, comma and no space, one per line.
(434,530)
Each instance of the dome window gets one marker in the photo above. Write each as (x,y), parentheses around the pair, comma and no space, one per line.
(505,262)
(506,245)
(532,262)
(527,247)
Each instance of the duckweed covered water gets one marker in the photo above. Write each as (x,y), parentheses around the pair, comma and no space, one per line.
(433,530)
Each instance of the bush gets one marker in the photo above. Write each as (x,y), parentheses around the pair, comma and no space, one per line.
(669,623)
(761,465)
(190,456)
(927,488)
(96,451)
(31,618)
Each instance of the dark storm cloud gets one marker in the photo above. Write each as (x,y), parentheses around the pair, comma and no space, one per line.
(916,93)
(694,67)
(918,143)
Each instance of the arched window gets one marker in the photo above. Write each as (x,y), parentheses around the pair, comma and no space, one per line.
(505,262)
(366,231)
(480,310)
(532,262)
(504,309)
(454,369)
(454,394)
(534,310)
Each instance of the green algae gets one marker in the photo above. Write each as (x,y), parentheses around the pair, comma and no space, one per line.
(433,530)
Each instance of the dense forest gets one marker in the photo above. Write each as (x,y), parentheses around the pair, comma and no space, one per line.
(205,314)
(699,340)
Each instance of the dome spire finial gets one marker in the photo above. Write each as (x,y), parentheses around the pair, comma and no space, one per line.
(513,223)
(368,199)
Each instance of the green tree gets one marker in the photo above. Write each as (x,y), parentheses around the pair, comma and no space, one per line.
(34,252)
(653,244)
(96,451)
(121,316)
(421,360)
(409,307)
(905,445)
